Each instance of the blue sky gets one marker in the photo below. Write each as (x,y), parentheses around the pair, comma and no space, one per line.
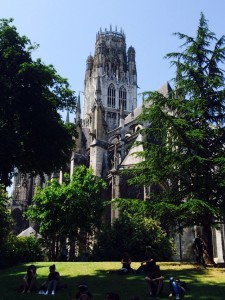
(66,31)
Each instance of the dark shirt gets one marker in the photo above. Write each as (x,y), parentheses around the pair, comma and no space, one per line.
(53,276)
(198,243)
(155,272)
(126,265)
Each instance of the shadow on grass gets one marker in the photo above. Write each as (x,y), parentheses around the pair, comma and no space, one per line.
(201,282)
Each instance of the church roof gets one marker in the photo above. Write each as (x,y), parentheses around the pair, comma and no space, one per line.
(165,89)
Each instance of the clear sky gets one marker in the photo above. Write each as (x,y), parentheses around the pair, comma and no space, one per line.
(66,31)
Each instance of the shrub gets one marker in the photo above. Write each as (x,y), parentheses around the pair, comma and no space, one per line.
(20,249)
(134,238)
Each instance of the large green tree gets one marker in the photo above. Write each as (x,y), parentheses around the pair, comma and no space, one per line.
(71,210)
(184,143)
(33,137)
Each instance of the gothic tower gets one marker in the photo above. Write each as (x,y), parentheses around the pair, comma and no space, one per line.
(116,69)
(110,84)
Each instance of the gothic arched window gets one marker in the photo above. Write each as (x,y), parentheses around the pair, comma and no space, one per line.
(123,97)
(111,96)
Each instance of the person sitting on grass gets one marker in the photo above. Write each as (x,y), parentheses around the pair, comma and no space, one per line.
(147,264)
(126,264)
(29,280)
(154,281)
(52,283)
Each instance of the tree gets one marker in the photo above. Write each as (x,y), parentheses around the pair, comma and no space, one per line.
(33,137)
(70,210)
(133,232)
(184,144)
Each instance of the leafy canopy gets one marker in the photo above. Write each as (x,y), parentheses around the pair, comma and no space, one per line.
(33,137)
(64,209)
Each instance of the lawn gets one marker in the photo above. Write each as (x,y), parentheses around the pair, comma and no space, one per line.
(204,283)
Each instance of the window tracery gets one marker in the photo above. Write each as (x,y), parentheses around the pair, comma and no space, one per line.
(123,97)
(111,102)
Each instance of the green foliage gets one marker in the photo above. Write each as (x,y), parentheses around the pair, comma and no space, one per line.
(47,207)
(184,143)
(83,199)
(69,209)
(20,249)
(30,249)
(65,207)
(133,232)
(33,137)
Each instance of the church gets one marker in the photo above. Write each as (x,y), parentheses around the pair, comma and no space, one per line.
(107,124)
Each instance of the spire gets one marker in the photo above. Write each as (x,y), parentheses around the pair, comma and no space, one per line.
(78,111)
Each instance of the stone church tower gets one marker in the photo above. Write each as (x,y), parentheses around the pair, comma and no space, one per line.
(109,95)
(110,86)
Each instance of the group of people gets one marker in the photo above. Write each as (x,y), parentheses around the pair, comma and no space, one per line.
(149,267)
(153,278)
(49,286)
(53,283)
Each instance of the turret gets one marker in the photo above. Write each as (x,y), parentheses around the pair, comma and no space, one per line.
(89,62)
(131,54)
(99,125)
(132,65)
(98,146)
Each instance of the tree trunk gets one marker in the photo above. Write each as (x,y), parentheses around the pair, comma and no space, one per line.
(82,243)
(71,248)
(208,247)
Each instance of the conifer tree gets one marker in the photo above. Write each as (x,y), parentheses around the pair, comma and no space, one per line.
(184,143)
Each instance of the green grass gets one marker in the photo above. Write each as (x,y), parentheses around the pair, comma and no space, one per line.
(206,283)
